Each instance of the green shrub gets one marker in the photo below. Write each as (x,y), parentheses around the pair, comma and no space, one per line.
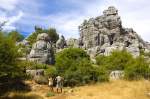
(101,60)
(75,66)
(119,59)
(69,58)
(32,65)
(51,71)
(102,74)
(79,74)
(137,69)
(116,61)
(50,94)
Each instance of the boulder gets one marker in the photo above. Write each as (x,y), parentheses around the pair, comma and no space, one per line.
(42,50)
(116,75)
(37,72)
(61,43)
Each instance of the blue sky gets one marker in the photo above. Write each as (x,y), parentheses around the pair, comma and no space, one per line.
(67,15)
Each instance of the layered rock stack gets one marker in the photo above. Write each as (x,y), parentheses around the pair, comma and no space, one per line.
(42,51)
(60,44)
(105,33)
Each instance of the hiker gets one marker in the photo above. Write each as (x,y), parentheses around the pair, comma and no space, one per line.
(50,83)
(59,83)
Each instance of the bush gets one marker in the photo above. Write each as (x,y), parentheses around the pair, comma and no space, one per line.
(50,94)
(116,61)
(137,69)
(102,74)
(75,66)
(33,65)
(51,71)
(101,60)
(70,58)
(79,74)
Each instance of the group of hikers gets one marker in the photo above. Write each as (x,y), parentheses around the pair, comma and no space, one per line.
(59,83)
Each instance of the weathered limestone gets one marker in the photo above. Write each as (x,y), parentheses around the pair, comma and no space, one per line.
(33,73)
(72,43)
(60,44)
(42,51)
(116,75)
(106,33)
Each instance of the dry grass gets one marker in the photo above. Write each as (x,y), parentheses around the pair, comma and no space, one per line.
(111,90)
(114,90)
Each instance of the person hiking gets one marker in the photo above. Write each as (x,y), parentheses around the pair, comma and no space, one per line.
(50,83)
(59,83)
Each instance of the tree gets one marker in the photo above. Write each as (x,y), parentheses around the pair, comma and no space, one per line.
(75,66)
(8,59)
(51,32)
(69,57)
(15,35)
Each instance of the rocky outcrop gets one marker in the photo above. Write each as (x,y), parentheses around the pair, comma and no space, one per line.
(42,51)
(105,33)
(37,72)
(72,43)
(60,44)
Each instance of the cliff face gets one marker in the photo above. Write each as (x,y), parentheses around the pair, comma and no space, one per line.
(105,33)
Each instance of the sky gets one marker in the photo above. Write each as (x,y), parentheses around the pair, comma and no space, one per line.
(67,15)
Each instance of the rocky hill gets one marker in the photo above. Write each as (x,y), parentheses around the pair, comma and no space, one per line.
(105,33)
(98,36)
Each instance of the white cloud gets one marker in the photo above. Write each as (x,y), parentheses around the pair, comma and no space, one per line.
(8,4)
(134,14)
(10,21)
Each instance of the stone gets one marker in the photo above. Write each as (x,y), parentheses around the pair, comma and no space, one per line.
(61,43)
(42,50)
(37,72)
(72,43)
(107,33)
(116,75)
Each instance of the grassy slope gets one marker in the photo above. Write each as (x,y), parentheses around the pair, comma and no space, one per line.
(111,90)
(114,90)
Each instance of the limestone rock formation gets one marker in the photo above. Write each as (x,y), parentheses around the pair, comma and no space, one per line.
(37,72)
(60,44)
(42,51)
(105,33)
(72,43)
